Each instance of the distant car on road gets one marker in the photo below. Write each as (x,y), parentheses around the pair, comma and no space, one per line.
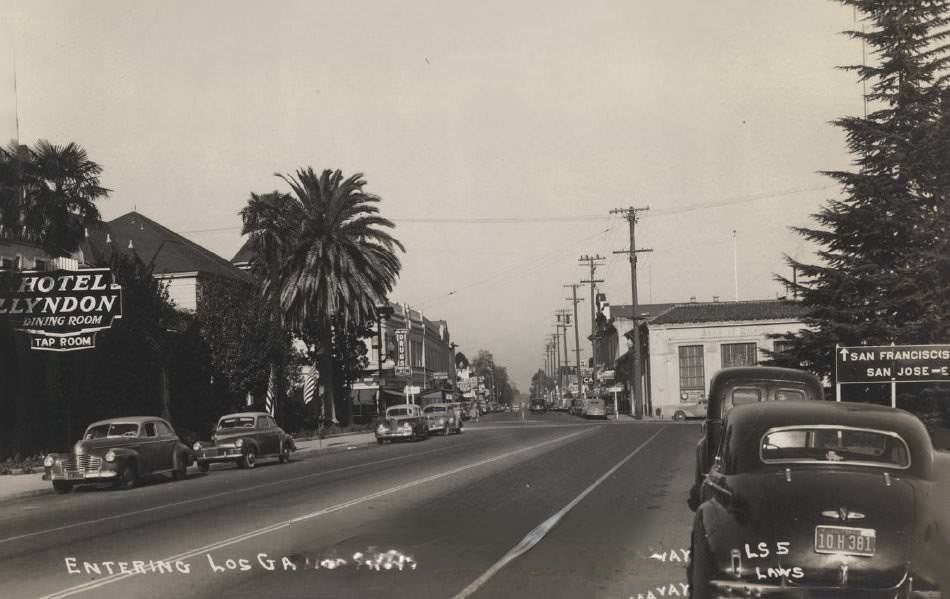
(690,409)
(121,451)
(822,499)
(742,385)
(243,438)
(595,408)
(443,417)
(404,421)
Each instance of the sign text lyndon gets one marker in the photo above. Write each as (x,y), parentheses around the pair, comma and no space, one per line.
(61,310)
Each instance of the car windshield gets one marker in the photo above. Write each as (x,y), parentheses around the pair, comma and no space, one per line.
(237,422)
(397,412)
(113,429)
(434,409)
(830,444)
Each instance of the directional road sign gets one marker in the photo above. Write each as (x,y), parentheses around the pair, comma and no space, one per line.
(892,363)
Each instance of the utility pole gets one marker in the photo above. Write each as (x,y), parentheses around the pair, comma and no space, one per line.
(563,321)
(577,344)
(592,262)
(636,393)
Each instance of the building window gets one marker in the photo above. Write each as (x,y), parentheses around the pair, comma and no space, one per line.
(738,354)
(780,346)
(691,367)
(6,263)
(39,264)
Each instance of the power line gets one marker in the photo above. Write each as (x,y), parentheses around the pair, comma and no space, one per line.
(575,218)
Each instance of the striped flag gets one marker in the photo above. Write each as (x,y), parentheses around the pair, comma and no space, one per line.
(309,386)
(269,398)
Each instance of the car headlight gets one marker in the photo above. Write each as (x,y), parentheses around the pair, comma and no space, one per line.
(48,461)
(405,426)
(110,456)
(196,446)
(239,443)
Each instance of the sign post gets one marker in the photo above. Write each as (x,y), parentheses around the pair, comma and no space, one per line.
(891,364)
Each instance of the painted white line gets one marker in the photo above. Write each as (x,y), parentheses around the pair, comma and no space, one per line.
(535,536)
(81,588)
(212,496)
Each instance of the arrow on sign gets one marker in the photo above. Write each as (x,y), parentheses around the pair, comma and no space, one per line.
(844,354)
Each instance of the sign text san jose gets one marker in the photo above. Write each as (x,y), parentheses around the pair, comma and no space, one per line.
(881,364)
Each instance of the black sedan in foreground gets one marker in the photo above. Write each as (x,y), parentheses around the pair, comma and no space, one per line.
(822,499)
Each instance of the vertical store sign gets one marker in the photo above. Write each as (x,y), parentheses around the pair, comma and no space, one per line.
(402,352)
(60,310)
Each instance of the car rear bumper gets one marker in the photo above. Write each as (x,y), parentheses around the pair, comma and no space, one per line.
(740,589)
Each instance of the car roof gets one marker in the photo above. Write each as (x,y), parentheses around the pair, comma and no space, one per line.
(243,414)
(438,405)
(762,373)
(129,420)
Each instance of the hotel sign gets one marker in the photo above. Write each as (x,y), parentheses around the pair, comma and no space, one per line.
(60,310)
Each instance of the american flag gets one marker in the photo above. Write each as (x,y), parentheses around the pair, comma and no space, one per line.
(269,398)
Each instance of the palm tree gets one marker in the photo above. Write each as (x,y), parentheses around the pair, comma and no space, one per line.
(61,187)
(324,255)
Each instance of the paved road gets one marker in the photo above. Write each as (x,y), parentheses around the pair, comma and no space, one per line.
(555,507)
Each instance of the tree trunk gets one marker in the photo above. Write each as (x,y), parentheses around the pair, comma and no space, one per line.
(325,366)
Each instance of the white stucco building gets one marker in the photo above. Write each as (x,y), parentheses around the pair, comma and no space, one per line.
(689,342)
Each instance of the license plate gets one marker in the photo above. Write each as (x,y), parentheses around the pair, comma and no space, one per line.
(845,540)
(73,475)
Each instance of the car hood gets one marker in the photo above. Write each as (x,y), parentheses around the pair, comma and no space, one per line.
(819,497)
(98,447)
(229,435)
(397,420)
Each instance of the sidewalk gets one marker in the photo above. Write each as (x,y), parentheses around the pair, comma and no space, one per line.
(14,486)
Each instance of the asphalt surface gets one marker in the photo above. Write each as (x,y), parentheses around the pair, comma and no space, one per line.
(554,507)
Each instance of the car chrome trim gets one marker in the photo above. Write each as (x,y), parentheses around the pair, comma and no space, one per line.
(798,427)
(843,514)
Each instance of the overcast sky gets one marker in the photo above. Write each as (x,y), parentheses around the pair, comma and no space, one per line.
(548,113)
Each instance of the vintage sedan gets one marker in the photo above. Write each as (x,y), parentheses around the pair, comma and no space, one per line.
(443,417)
(120,451)
(243,438)
(404,421)
(732,387)
(822,499)
(690,409)
(595,408)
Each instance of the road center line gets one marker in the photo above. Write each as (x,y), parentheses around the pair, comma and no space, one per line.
(534,537)
(212,496)
(327,510)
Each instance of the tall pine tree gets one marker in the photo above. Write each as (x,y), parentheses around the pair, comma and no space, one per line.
(883,274)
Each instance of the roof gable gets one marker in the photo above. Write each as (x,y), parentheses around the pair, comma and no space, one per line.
(167,251)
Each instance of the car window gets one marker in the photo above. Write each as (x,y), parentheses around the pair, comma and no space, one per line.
(744,395)
(237,422)
(836,445)
(397,412)
(163,429)
(789,394)
(115,429)
(434,409)
(148,430)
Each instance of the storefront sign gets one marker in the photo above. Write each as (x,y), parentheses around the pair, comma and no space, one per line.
(60,310)
(402,352)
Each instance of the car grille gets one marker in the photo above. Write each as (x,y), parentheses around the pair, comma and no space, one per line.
(81,463)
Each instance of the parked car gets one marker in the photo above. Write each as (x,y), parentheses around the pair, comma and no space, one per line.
(742,385)
(442,417)
(690,409)
(243,438)
(595,408)
(822,499)
(120,451)
(404,421)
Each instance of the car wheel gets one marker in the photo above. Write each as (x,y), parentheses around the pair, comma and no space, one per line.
(249,459)
(679,415)
(699,569)
(127,478)
(284,456)
(204,467)
(62,486)
(181,468)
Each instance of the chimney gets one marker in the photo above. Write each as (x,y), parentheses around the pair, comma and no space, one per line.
(692,299)
(715,298)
